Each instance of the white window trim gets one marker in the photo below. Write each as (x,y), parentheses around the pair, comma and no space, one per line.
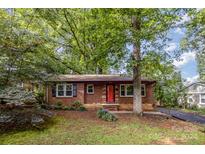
(200,99)
(188,98)
(131,95)
(87,89)
(195,92)
(145,92)
(126,90)
(64,89)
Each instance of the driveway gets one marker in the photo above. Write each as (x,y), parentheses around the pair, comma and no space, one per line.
(183,115)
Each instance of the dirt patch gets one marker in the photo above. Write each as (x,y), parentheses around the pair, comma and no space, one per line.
(169,141)
(90,115)
(162,122)
(175,124)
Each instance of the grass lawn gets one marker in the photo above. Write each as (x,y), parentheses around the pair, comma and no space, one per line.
(70,127)
(197,111)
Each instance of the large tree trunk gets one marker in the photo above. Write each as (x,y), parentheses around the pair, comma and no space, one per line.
(137,99)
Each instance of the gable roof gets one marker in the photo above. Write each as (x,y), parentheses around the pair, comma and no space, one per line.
(199,83)
(192,84)
(92,77)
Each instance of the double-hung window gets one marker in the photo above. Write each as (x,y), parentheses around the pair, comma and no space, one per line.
(90,89)
(64,90)
(126,90)
(143,90)
(129,90)
(202,99)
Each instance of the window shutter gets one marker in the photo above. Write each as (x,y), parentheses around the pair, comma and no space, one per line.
(74,89)
(53,90)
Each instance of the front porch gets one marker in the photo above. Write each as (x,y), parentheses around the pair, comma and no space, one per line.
(111,107)
(118,107)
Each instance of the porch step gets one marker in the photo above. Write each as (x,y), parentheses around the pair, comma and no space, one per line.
(147,107)
(111,107)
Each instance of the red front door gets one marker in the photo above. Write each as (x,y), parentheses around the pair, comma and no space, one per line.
(110,93)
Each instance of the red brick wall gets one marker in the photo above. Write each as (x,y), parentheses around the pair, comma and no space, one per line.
(97,97)
(126,103)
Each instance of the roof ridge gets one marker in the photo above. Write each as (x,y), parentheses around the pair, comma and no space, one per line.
(93,77)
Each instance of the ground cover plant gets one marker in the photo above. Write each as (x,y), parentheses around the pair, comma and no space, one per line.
(74,106)
(20,110)
(106,115)
(23,119)
(195,111)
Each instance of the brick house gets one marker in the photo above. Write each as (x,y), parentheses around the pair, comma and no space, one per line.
(94,91)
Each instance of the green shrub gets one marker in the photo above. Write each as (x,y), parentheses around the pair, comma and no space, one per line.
(72,109)
(101,112)
(58,106)
(47,106)
(24,119)
(194,107)
(82,108)
(59,103)
(77,106)
(106,115)
(43,106)
(66,108)
(40,97)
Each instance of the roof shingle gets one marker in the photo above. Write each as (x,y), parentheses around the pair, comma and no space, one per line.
(92,77)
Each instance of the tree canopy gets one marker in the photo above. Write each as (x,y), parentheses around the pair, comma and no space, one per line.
(194,40)
(35,43)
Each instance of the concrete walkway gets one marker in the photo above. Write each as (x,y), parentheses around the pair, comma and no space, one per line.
(183,115)
(144,113)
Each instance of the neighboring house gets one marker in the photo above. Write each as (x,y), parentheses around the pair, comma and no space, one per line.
(113,92)
(194,95)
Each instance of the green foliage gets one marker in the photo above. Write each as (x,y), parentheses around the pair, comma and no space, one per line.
(37,42)
(40,97)
(44,106)
(194,40)
(105,115)
(23,119)
(96,37)
(59,105)
(196,110)
(168,80)
(77,106)
(193,107)
(66,108)
(27,53)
